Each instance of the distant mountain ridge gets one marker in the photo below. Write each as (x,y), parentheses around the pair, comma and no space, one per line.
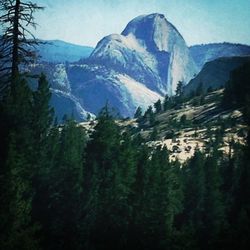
(58,51)
(204,53)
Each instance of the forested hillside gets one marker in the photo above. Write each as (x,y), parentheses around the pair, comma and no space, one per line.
(109,185)
(63,188)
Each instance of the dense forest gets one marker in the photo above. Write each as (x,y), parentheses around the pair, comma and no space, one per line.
(63,188)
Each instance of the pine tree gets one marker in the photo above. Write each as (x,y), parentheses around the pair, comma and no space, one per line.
(194,201)
(154,134)
(102,163)
(138,224)
(138,113)
(19,232)
(44,153)
(150,116)
(42,111)
(66,187)
(166,102)
(214,218)
(179,89)
(16,17)
(157,106)
(158,200)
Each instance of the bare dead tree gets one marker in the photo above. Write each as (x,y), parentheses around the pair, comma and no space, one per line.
(17,41)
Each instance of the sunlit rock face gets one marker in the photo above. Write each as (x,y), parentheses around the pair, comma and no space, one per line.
(151,51)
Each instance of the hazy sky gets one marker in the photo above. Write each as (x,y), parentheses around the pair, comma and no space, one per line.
(199,21)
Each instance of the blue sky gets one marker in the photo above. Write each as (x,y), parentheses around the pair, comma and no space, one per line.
(199,21)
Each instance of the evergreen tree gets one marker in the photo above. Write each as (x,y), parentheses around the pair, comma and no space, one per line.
(214,219)
(159,200)
(138,113)
(166,103)
(42,111)
(137,224)
(241,207)
(157,106)
(150,116)
(16,17)
(19,231)
(183,120)
(103,220)
(179,89)
(153,135)
(42,116)
(66,187)
(194,201)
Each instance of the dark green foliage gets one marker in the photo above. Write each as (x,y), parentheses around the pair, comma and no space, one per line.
(179,89)
(42,112)
(153,135)
(149,116)
(109,178)
(237,89)
(66,180)
(169,134)
(158,106)
(17,230)
(63,189)
(158,200)
(138,113)
(214,219)
(168,103)
(194,204)
(183,119)
(210,89)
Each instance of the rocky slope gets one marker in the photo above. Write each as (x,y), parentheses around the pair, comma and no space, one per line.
(203,122)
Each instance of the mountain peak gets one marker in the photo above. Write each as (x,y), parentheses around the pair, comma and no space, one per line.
(155,31)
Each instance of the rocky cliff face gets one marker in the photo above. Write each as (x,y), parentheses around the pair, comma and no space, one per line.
(151,51)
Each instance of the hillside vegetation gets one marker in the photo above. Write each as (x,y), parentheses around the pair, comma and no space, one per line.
(193,123)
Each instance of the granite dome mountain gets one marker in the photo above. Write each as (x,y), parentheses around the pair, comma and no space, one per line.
(135,68)
(151,51)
